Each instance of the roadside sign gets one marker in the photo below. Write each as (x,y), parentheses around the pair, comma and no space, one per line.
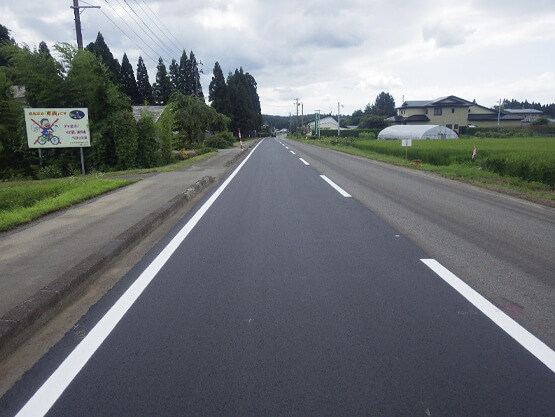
(57,127)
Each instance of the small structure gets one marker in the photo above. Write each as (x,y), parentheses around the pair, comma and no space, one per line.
(417,132)
(155,110)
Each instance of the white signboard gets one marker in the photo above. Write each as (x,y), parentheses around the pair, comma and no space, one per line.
(406,142)
(58,128)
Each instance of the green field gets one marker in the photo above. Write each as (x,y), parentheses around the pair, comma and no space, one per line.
(524,167)
(531,159)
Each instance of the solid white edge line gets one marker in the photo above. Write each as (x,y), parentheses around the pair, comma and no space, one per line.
(303,161)
(336,187)
(530,342)
(41,402)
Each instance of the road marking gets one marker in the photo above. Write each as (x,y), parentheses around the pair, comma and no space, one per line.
(530,342)
(337,187)
(304,162)
(286,147)
(293,152)
(55,385)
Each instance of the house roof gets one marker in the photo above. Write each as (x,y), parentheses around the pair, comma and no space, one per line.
(454,101)
(523,111)
(413,118)
(492,116)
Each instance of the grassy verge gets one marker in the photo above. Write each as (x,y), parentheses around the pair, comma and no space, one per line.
(22,202)
(172,167)
(458,169)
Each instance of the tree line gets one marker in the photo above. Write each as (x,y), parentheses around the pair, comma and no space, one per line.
(93,78)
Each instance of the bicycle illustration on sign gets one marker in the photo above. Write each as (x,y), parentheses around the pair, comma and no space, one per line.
(46,129)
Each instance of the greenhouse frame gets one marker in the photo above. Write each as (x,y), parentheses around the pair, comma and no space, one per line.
(416,132)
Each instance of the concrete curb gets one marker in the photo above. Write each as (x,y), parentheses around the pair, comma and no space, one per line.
(19,323)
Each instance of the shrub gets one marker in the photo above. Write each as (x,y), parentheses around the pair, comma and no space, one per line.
(220,140)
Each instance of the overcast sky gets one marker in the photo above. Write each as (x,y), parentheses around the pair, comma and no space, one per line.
(324,52)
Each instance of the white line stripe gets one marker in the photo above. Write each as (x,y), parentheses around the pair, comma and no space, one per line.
(286,147)
(55,385)
(293,152)
(304,162)
(530,342)
(337,187)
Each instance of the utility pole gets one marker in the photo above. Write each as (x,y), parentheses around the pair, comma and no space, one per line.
(297,119)
(302,119)
(77,15)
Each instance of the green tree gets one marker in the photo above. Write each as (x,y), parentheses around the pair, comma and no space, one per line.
(41,76)
(128,82)
(244,100)
(43,49)
(191,117)
(383,106)
(371,121)
(217,91)
(184,74)
(4,40)
(124,128)
(194,77)
(147,141)
(175,76)
(162,88)
(101,50)
(11,119)
(143,84)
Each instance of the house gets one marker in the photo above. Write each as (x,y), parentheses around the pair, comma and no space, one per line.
(527,115)
(325,123)
(454,113)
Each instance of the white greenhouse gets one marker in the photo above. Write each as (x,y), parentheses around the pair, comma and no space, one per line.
(417,132)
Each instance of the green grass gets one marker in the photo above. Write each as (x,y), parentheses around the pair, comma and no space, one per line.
(521,166)
(22,202)
(172,167)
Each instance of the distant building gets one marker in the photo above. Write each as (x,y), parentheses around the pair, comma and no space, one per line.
(527,115)
(454,113)
(325,123)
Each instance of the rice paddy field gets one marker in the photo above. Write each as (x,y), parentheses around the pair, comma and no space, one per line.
(531,159)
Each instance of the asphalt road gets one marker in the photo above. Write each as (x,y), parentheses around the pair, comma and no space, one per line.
(284,295)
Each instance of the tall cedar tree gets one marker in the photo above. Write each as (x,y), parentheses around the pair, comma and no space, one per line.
(143,83)
(100,49)
(43,49)
(217,92)
(175,76)
(163,87)
(4,39)
(184,74)
(128,82)
(245,103)
(194,78)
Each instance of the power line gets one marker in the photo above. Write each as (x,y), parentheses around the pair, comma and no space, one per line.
(114,23)
(136,34)
(158,27)
(135,22)
(168,49)
(154,14)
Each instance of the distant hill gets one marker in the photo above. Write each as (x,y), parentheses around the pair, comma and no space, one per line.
(278,122)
